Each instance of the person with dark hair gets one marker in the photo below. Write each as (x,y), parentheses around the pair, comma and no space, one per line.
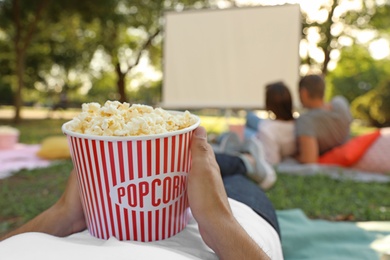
(324,126)
(276,134)
(278,101)
(273,141)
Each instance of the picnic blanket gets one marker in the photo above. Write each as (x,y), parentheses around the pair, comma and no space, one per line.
(363,158)
(358,158)
(22,156)
(292,167)
(303,238)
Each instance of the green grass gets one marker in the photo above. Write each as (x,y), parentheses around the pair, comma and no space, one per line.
(322,197)
(217,125)
(33,131)
(25,194)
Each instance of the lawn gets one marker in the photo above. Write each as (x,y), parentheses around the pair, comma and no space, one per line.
(27,193)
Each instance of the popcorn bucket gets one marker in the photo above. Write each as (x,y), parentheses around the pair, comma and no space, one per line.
(133,187)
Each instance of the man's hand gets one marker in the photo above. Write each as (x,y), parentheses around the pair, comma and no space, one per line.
(206,193)
(71,207)
(209,204)
(65,217)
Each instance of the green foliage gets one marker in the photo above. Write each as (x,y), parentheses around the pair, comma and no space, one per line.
(374,107)
(380,20)
(363,81)
(103,88)
(61,54)
(356,73)
(43,34)
(65,36)
(371,15)
(360,127)
(6,93)
(148,94)
(6,74)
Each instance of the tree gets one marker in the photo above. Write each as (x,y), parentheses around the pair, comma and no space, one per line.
(373,107)
(344,26)
(328,40)
(380,18)
(22,33)
(126,30)
(22,20)
(61,55)
(356,73)
(6,93)
(103,88)
(148,94)
(136,31)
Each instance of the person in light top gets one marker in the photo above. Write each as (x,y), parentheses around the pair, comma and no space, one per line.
(277,134)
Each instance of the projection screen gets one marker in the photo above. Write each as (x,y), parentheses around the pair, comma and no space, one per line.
(224,58)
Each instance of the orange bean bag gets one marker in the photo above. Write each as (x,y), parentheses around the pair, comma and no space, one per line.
(350,152)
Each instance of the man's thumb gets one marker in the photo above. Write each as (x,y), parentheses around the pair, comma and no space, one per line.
(200,132)
(199,145)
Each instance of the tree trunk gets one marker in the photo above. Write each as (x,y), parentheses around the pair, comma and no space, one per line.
(20,45)
(121,83)
(19,64)
(329,37)
(326,62)
(20,61)
(122,75)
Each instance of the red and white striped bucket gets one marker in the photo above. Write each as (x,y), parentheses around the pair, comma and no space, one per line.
(133,188)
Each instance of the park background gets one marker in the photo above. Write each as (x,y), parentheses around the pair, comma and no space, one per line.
(84,51)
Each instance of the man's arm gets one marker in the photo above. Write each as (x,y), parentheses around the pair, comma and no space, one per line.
(308,149)
(209,204)
(62,219)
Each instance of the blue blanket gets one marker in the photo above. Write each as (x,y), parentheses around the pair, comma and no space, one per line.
(303,238)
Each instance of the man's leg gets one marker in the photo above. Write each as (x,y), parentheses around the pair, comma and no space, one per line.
(240,188)
(251,164)
(230,165)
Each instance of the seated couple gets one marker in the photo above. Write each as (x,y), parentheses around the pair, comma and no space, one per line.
(319,129)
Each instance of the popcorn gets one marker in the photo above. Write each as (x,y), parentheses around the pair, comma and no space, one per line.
(121,119)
